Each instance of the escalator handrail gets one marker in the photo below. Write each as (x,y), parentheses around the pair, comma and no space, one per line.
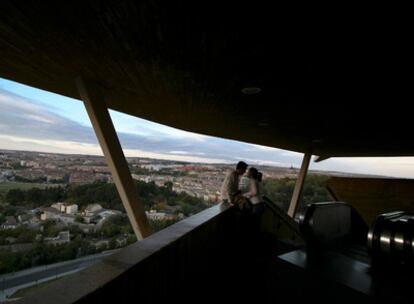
(282,215)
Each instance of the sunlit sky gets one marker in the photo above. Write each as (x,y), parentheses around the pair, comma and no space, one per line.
(36,120)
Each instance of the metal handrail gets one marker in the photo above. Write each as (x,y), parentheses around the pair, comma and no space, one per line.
(283,216)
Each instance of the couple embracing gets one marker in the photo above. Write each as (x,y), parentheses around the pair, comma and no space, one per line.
(250,201)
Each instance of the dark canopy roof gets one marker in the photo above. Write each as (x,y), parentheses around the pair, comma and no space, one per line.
(335,85)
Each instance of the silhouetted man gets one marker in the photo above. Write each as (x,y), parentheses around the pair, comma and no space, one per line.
(230,187)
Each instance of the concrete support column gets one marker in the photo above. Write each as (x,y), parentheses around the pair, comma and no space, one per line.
(294,203)
(94,101)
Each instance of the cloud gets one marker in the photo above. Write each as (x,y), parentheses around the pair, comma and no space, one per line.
(25,123)
(187,158)
(44,145)
(20,117)
(186,153)
(389,166)
(29,125)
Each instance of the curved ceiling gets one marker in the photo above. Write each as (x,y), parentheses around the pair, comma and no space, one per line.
(335,86)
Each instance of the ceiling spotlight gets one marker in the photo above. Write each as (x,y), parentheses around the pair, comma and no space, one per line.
(251,90)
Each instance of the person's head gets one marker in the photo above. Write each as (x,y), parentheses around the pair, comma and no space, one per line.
(241,167)
(252,173)
(255,174)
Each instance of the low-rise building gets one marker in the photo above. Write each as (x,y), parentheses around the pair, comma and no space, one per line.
(101,244)
(49,213)
(67,218)
(72,209)
(87,228)
(24,218)
(154,215)
(59,206)
(10,223)
(92,208)
(62,238)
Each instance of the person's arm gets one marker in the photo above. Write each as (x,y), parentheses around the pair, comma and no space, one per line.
(252,190)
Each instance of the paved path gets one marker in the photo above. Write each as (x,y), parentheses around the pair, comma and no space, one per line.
(11,282)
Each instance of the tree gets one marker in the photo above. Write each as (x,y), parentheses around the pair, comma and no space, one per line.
(159,206)
(158,225)
(112,244)
(110,230)
(15,196)
(280,190)
(79,219)
(24,235)
(168,185)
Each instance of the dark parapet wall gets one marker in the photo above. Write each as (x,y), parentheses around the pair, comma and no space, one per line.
(183,261)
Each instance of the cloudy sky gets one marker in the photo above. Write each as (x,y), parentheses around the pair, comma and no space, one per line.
(36,120)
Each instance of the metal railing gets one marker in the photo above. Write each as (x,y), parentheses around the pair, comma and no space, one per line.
(281,224)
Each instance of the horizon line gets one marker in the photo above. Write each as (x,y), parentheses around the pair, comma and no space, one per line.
(224,164)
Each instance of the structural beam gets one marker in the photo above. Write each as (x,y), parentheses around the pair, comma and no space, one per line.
(321,158)
(95,105)
(294,203)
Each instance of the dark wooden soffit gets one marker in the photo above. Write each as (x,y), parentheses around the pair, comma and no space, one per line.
(336,86)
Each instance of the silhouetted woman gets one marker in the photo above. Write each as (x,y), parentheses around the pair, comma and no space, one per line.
(255,198)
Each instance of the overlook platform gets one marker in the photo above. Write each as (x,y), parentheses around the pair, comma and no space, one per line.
(210,256)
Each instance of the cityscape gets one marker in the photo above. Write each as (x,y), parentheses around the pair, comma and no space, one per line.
(23,170)
(64,208)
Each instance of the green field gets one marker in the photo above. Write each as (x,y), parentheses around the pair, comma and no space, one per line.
(6,186)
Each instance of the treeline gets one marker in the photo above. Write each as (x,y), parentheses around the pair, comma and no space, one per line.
(105,194)
(280,190)
(34,197)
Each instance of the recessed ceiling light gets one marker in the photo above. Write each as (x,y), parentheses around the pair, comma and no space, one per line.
(251,90)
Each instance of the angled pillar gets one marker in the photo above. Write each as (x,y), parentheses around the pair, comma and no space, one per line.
(294,203)
(94,101)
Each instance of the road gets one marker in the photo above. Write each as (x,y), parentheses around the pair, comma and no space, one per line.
(36,274)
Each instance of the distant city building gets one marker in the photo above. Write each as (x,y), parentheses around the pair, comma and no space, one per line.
(72,209)
(24,218)
(154,215)
(50,166)
(55,176)
(10,223)
(81,178)
(32,164)
(87,228)
(89,219)
(67,218)
(101,244)
(91,209)
(172,209)
(49,213)
(62,238)
(105,213)
(59,206)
